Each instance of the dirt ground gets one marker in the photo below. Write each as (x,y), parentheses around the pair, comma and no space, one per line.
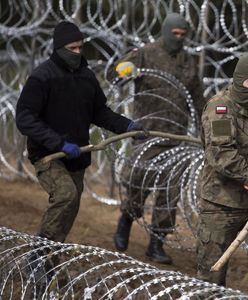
(23,202)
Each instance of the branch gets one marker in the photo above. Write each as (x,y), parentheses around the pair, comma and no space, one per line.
(231,249)
(102,145)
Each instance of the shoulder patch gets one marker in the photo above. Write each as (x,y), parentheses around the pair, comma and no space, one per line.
(221,109)
(221,128)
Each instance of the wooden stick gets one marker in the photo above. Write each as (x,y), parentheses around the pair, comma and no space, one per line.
(231,249)
(102,145)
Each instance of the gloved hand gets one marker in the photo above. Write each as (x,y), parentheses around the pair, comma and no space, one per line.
(136,126)
(126,68)
(246,186)
(71,150)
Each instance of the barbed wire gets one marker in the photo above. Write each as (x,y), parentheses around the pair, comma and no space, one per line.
(111,28)
(35,268)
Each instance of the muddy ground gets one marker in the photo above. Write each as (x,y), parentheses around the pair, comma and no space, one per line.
(22,203)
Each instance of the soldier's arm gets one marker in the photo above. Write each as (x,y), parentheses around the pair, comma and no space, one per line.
(221,149)
(196,90)
(197,95)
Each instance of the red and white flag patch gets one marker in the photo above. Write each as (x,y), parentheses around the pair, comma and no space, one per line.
(221,109)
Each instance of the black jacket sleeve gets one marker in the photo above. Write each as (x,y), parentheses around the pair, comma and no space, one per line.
(28,115)
(104,116)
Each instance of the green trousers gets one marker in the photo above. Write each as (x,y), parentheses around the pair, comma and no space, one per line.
(218,226)
(140,181)
(64,189)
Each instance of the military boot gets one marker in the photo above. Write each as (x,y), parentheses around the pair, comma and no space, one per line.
(122,233)
(156,253)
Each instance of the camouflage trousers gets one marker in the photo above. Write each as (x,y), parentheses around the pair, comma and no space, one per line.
(138,185)
(64,189)
(217,228)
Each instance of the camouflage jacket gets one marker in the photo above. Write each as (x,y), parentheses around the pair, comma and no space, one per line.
(162,114)
(225,140)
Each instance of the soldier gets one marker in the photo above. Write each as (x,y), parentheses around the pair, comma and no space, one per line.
(224,181)
(57,105)
(165,54)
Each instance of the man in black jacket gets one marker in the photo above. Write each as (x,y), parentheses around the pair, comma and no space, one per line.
(58,103)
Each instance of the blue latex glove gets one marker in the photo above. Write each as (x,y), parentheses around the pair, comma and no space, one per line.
(136,126)
(71,150)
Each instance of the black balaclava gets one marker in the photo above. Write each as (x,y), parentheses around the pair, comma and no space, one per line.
(239,92)
(66,33)
(172,43)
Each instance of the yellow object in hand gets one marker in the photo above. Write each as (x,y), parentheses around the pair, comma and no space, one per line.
(126,68)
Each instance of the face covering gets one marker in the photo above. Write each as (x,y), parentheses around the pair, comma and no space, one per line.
(71,58)
(172,43)
(239,92)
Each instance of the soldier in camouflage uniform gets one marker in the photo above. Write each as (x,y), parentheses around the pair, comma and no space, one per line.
(165,54)
(57,105)
(224,182)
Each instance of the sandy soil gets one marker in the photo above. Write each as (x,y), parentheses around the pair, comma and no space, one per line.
(22,203)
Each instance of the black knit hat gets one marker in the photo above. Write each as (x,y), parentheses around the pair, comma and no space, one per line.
(66,33)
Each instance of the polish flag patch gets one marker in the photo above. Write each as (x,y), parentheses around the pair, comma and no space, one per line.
(221,109)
